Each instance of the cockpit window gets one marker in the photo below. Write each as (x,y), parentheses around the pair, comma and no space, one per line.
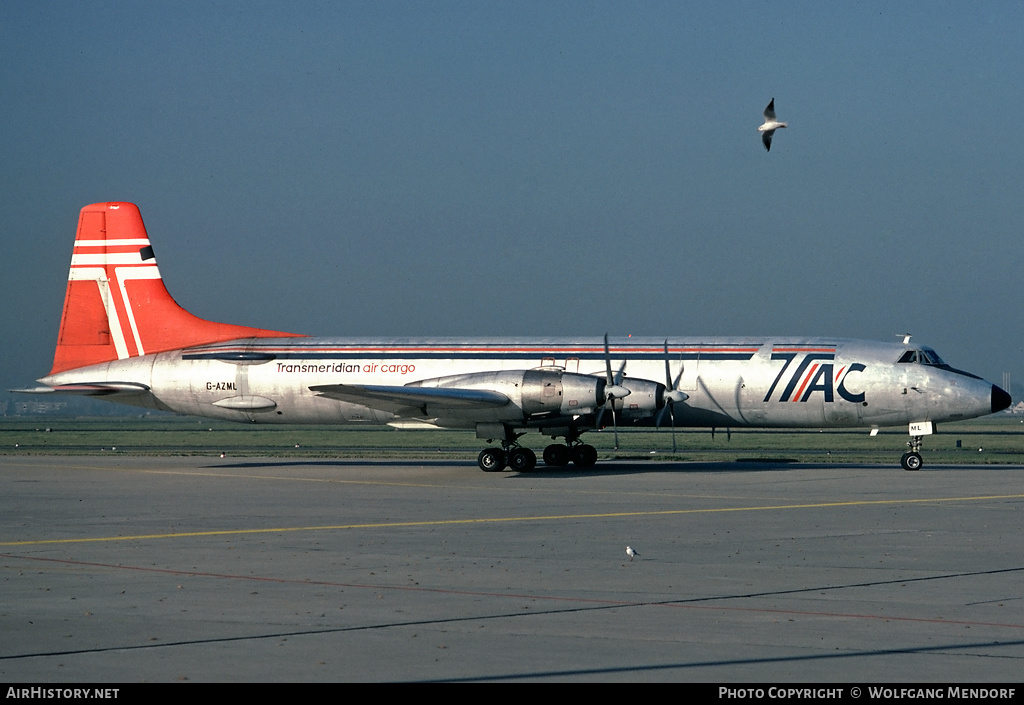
(924,356)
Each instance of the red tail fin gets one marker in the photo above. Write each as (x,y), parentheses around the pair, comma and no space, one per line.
(116,304)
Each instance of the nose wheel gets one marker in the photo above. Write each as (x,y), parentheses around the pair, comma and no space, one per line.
(912,460)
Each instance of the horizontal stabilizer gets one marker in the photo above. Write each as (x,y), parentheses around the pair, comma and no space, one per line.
(89,389)
(405,401)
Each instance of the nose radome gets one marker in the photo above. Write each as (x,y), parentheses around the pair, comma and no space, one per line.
(1000,399)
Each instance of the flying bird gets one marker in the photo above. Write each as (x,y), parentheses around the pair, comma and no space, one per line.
(770,126)
(630,552)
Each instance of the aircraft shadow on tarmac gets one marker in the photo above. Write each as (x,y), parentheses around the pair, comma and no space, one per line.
(621,467)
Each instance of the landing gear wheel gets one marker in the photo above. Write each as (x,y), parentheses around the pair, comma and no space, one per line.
(522,459)
(492,460)
(911,461)
(556,455)
(584,456)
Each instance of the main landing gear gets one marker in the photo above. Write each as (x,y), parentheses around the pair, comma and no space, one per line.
(911,460)
(579,454)
(515,457)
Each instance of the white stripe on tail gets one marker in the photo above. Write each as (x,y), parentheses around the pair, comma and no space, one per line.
(117,306)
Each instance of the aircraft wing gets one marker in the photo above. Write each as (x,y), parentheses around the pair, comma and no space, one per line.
(412,401)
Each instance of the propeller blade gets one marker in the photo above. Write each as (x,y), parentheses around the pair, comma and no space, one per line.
(672,415)
(672,395)
(614,389)
(608,361)
(614,381)
(668,371)
(615,429)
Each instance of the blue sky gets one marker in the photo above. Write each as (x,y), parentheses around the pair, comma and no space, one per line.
(528,168)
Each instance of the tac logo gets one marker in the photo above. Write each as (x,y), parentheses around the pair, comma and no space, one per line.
(815,372)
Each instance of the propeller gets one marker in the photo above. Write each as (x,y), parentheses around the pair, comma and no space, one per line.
(672,395)
(613,390)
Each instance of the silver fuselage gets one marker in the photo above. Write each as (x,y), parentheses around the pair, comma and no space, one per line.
(729,382)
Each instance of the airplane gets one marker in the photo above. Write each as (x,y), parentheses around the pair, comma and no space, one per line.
(123,338)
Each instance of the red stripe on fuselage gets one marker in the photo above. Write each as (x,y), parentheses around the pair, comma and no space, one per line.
(807,380)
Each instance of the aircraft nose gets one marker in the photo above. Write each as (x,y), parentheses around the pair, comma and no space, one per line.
(1000,399)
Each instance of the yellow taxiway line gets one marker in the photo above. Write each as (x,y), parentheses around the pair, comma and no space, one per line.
(499,520)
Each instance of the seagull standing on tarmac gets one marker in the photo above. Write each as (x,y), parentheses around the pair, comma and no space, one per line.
(770,125)
(630,552)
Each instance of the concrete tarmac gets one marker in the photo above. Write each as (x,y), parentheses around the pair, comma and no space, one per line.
(126,569)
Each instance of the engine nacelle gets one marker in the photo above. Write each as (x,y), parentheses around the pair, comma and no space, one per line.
(532,394)
(645,399)
(541,394)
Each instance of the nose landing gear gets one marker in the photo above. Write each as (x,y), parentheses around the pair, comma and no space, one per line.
(912,460)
